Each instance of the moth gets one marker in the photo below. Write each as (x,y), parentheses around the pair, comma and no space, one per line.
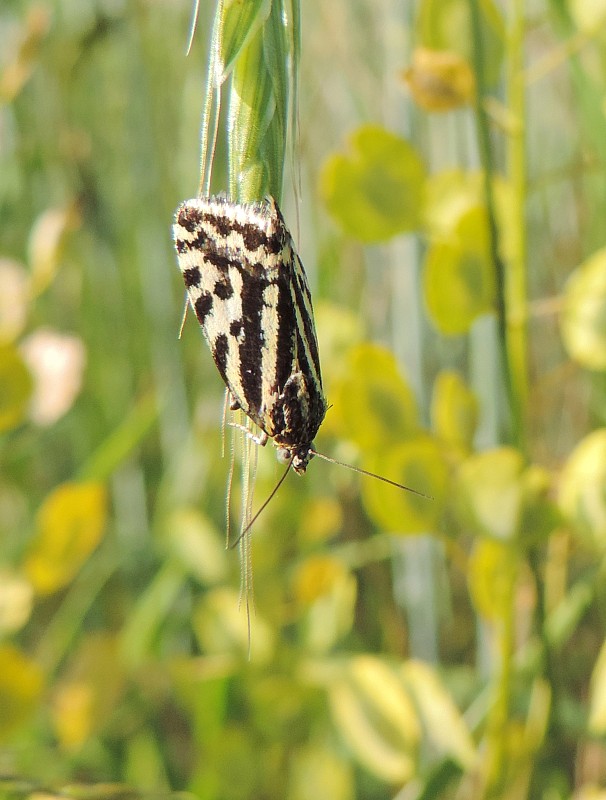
(248,289)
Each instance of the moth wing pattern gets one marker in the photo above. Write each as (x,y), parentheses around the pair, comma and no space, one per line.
(248,289)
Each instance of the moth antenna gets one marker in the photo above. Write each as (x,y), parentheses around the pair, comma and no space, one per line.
(249,467)
(192,27)
(230,483)
(224,422)
(263,506)
(252,459)
(248,628)
(184,317)
(370,474)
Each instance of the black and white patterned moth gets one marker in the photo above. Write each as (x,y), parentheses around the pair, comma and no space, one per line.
(248,289)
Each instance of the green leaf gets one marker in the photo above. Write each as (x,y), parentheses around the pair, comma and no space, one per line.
(149,613)
(319,773)
(70,525)
(449,195)
(583,489)
(375,717)
(459,275)
(339,329)
(21,684)
(454,411)
(221,626)
(588,15)
(437,779)
(376,190)
(441,719)
(327,594)
(16,600)
(15,388)
(373,404)
(492,491)
(197,545)
(89,691)
(418,464)
(446,25)
(144,763)
(491,570)
(119,444)
(563,621)
(383,692)
(46,243)
(597,701)
(452,195)
(540,514)
(499,496)
(583,318)
(15,299)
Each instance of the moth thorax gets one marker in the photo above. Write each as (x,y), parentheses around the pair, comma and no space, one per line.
(299,457)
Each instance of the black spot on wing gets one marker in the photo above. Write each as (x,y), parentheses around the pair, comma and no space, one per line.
(221,261)
(235,327)
(191,276)
(253,234)
(189,217)
(254,238)
(201,241)
(220,350)
(220,222)
(198,243)
(203,306)
(223,288)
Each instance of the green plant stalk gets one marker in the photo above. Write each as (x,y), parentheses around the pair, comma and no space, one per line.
(485,150)
(61,632)
(261,93)
(498,717)
(516,299)
(256,46)
(119,445)
(512,345)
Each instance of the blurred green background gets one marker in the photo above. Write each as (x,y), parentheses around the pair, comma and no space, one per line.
(447,191)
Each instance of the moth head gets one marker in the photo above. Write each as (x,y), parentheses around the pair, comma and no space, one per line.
(298,457)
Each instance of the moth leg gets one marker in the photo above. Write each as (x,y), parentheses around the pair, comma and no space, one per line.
(184,317)
(260,439)
(233,403)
